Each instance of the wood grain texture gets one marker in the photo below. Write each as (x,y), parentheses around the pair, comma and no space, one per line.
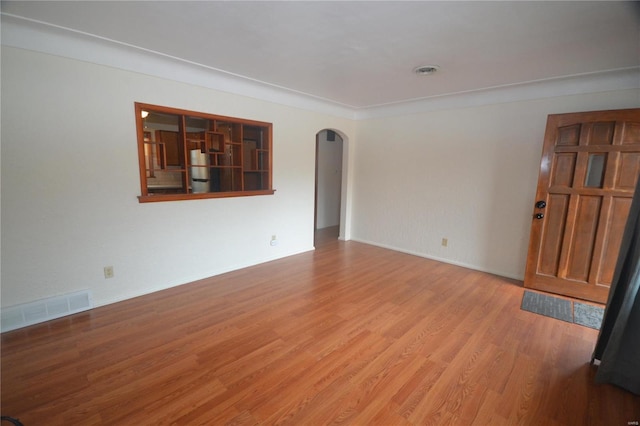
(347,334)
(569,248)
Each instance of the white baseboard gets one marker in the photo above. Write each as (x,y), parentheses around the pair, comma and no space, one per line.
(442,259)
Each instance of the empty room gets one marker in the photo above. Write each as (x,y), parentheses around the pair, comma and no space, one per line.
(319,212)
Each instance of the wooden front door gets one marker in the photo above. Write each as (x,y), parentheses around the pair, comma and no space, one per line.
(589,169)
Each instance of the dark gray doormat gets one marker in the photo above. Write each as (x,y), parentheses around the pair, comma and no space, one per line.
(563,309)
(587,315)
(548,306)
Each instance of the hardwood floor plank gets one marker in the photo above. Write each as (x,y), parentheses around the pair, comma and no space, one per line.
(388,414)
(322,386)
(388,384)
(349,334)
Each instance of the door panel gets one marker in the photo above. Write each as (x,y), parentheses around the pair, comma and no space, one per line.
(589,169)
(563,169)
(601,133)
(630,133)
(630,166)
(583,238)
(612,239)
(569,135)
(554,231)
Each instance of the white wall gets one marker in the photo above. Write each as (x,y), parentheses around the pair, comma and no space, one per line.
(70,181)
(329,164)
(465,174)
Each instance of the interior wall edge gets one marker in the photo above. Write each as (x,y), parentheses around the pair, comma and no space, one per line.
(441,259)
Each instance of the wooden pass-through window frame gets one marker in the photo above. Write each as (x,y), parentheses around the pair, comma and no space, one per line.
(186,155)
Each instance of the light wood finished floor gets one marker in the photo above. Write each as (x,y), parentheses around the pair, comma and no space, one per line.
(347,334)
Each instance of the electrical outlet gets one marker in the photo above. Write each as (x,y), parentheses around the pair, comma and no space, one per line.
(274,240)
(108,271)
(445,242)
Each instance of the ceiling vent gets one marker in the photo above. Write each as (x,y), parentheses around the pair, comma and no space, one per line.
(426,69)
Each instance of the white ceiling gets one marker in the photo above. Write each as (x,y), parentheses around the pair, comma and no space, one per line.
(361,54)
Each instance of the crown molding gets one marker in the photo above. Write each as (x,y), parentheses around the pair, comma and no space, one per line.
(42,37)
(610,80)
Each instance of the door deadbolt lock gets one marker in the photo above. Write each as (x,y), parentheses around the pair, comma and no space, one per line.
(539,215)
(541,204)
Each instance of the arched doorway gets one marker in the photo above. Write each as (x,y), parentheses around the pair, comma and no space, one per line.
(328,187)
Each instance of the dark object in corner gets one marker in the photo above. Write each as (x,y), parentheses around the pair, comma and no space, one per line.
(618,346)
(16,422)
